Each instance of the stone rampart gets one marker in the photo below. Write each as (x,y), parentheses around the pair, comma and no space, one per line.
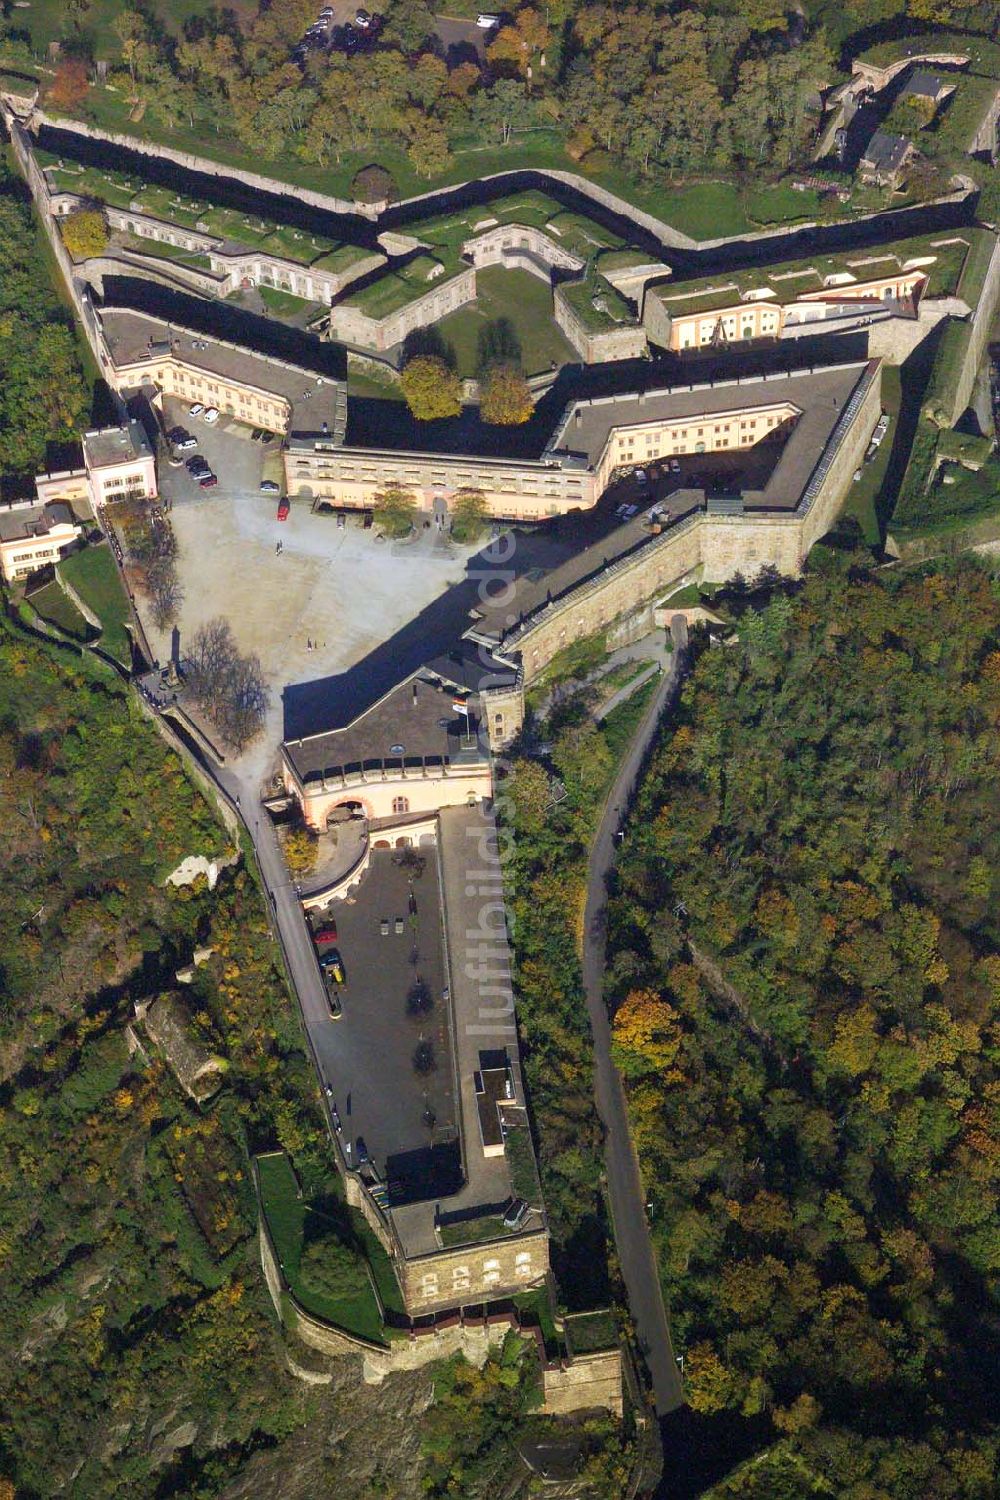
(598,346)
(980,328)
(587,1382)
(717,546)
(520,244)
(353,325)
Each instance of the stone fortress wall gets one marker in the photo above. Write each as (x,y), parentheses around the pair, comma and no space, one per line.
(598,345)
(353,325)
(229,269)
(523,245)
(715,546)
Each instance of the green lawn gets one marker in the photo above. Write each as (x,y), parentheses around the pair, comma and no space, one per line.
(781,203)
(93,574)
(705,211)
(863,496)
(53,605)
(47,21)
(283,304)
(370,389)
(286,1216)
(527,302)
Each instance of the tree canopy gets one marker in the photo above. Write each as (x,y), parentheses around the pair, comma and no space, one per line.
(506,399)
(84,233)
(431,388)
(395,509)
(805,975)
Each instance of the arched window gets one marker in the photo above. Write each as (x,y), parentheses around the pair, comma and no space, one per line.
(400,804)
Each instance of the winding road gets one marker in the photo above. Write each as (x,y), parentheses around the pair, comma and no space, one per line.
(625,1191)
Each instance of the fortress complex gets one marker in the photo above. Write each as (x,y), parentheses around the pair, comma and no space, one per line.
(777,301)
(794,413)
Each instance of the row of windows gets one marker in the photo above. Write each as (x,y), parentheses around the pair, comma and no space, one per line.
(461,1276)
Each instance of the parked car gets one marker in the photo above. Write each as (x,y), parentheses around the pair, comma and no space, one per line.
(187,442)
(363,19)
(267,437)
(195,409)
(210,415)
(283,508)
(327,933)
(268,487)
(335,1117)
(177,434)
(362,1150)
(486,21)
(208,481)
(675,467)
(332,963)
(256,435)
(333,1004)
(174,460)
(198,465)
(383,927)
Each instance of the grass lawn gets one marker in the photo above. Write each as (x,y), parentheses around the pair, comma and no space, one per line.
(705,211)
(780,203)
(47,21)
(863,496)
(527,302)
(53,605)
(284,304)
(93,574)
(286,1216)
(371,389)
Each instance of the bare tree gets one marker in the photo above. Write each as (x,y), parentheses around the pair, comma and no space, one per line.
(228,686)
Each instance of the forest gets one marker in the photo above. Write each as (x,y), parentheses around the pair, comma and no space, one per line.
(139,1351)
(43,396)
(716,87)
(805,987)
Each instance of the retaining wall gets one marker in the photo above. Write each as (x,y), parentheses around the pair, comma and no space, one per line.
(980,328)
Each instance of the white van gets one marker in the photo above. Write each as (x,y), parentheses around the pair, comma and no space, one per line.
(486,22)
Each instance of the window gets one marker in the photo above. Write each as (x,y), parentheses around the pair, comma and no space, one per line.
(400,804)
(429,1284)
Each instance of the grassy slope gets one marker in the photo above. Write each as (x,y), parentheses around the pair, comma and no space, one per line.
(93,574)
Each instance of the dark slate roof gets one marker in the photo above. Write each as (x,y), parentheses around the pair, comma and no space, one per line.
(886,152)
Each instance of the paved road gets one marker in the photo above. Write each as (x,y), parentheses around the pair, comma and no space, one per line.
(628,1203)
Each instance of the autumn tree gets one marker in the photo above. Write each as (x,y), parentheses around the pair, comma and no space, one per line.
(431,388)
(646,1035)
(395,509)
(505,399)
(84,233)
(300,850)
(373,184)
(469,513)
(70,84)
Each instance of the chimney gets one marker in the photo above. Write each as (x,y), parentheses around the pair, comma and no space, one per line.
(414,695)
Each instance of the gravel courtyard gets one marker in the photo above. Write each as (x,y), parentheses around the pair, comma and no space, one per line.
(335,587)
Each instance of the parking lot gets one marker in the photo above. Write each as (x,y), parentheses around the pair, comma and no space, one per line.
(387,1058)
(328,598)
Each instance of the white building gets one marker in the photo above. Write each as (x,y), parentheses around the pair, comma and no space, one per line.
(33,535)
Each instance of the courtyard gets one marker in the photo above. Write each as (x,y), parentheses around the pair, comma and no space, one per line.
(330,596)
(526,301)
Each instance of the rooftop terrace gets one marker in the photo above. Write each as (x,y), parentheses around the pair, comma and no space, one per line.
(795,278)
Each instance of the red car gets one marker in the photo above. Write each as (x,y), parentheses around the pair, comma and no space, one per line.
(327,934)
(283,509)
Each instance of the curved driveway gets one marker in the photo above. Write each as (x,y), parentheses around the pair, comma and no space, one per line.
(625,1191)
